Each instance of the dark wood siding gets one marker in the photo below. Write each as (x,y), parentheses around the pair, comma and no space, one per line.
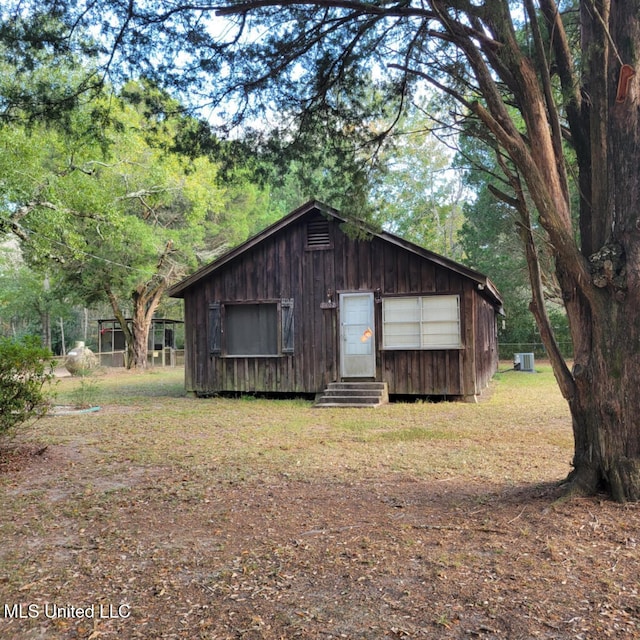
(486,331)
(432,372)
(282,268)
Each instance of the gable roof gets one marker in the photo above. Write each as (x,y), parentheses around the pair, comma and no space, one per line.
(485,286)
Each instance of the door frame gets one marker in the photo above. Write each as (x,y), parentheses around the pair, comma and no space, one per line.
(370,371)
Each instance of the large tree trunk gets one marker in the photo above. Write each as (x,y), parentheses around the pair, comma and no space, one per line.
(144,306)
(146,299)
(604,312)
(140,339)
(124,326)
(605,407)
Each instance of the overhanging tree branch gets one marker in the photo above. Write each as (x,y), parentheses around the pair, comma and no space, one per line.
(545,78)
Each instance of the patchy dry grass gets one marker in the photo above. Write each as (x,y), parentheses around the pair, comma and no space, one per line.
(148,420)
(164,516)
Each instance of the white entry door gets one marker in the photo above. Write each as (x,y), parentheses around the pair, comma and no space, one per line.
(358,353)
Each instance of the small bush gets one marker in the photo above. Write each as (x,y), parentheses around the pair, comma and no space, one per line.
(86,394)
(25,369)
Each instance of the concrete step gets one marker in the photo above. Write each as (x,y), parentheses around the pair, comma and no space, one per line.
(354,394)
(374,393)
(360,399)
(351,405)
(377,386)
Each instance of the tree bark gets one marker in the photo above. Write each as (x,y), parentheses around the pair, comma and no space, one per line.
(136,336)
(145,298)
(603,312)
(145,303)
(45,313)
(605,407)
(45,320)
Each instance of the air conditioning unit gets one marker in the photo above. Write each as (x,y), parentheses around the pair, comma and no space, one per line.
(524,362)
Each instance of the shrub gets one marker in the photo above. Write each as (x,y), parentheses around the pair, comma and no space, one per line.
(86,394)
(25,369)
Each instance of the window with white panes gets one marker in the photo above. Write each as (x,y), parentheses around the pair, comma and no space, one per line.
(421,322)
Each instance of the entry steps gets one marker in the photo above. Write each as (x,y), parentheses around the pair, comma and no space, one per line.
(354,394)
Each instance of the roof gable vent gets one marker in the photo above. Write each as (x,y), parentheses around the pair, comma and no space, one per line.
(318,233)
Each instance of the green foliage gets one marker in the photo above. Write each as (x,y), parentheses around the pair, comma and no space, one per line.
(492,246)
(417,195)
(41,78)
(25,370)
(318,101)
(323,157)
(27,296)
(114,208)
(118,200)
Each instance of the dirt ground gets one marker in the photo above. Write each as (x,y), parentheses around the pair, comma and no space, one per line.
(112,549)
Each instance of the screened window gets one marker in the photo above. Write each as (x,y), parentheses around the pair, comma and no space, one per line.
(421,322)
(251,329)
(254,329)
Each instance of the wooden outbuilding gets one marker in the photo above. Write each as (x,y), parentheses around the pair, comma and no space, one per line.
(308,302)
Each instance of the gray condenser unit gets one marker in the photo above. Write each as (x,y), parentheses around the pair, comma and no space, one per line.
(523,362)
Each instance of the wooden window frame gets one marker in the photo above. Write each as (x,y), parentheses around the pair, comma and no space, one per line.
(421,341)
